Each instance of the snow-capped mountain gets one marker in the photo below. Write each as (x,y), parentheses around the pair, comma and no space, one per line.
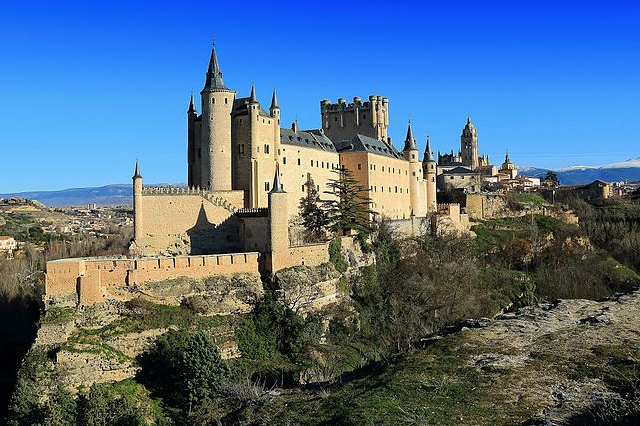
(628,170)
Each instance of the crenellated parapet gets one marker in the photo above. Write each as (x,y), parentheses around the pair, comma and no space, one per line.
(170,190)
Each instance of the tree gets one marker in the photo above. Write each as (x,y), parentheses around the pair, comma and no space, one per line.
(349,207)
(552,176)
(185,368)
(314,218)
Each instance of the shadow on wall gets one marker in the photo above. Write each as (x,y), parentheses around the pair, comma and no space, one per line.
(208,238)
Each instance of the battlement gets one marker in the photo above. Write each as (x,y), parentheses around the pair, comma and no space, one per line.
(92,280)
(342,105)
(214,197)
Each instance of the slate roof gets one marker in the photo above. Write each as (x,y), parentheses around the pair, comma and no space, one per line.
(307,139)
(240,107)
(459,171)
(362,143)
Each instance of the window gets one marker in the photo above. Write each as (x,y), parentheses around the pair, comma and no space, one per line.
(359,166)
(298,161)
(266,186)
(396,189)
(213,101)
(323,164)
(311,163)
(284,160)
(364,116)
(266,148)
(383,168)
(241,148)
(226,101)
(336,119)
(302,188)
(382,188)
(199,152)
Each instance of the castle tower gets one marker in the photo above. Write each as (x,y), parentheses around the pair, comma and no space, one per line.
(410,153)
(343,121)
(278,224)
(217,103)
(274,110)
(469,145)
(137,205)
(194,177)
(429,173)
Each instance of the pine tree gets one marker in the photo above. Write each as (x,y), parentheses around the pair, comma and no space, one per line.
(349,208)
(314,218)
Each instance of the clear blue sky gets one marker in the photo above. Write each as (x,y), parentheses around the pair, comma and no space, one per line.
(86,87)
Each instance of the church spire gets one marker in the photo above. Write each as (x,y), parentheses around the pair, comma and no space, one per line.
(192,104)
(409,141)
(277,186)
(253,99)
(506,157)
(274,100)
(214,74)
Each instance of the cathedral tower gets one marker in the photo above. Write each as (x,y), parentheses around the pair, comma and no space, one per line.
(469,145)
(217,103)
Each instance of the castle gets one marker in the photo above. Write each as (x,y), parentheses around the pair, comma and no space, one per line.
(246,176)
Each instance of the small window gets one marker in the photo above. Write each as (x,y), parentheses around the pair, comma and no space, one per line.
(359,166)
(199,152)
(284,160)
(298,161)
(226,101)
(364,116)
(266,148)
(323,164)
(213,100)
(336,118)
(396,189)
(383,168)
(302,188)
(241,148)
(266,186)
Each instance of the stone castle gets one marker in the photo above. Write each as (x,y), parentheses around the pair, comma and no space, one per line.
(246,176)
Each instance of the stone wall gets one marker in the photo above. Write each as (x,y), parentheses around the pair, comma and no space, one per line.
(92,280)
(174,222)
(485,206)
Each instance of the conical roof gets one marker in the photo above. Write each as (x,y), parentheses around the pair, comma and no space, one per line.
(253,99)
(277,186)
(409,141)
(192,104)
(428,154)
(136,173)
(274,100)
(214,74)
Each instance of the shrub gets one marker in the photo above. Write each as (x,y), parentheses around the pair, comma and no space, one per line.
(336,256)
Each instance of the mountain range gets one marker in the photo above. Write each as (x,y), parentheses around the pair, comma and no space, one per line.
(628,170)
(120,194)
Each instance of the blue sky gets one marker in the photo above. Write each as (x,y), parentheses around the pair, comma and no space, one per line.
(88,87)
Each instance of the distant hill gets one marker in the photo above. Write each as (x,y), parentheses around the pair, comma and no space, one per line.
(628,170)
(109,195)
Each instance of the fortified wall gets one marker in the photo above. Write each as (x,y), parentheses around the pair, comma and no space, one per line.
(86,281)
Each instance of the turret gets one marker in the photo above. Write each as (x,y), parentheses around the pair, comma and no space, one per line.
(217,103)
(278,224)
(254,112)
(193,167)
(429,173)
(410,150)
(274,109)
(137,205)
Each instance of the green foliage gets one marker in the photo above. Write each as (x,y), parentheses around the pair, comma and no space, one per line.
(386,248)
(529,198)
(314,218)
(60,409)
(185,369)
(23,407)
(349,206)
(336,256)
(275,330)
(552,176)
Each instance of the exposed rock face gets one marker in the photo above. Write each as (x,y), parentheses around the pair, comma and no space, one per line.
(562,352)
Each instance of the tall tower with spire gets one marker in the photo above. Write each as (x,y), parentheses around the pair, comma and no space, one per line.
(194,151)
(416,185)
(429,174)
(215,144)
(469,145)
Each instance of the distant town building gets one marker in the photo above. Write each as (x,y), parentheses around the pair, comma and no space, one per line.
(7,245)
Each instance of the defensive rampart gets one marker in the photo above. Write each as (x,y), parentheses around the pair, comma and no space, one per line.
(91,280)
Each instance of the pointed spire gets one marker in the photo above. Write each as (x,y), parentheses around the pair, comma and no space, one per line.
(253,99)
(506,157)
(277,186)
(214,74)
(136,173)
(192,104)
(428,154)
(274,100)
(409,141)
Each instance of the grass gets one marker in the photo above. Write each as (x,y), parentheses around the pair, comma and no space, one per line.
(59,315)
(533,199)
(496,232)
(434,386)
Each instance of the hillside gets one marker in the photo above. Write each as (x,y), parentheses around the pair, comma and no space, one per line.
(568,362)
(109,195)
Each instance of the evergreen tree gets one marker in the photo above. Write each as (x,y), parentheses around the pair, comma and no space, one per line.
(349,209)
(552,176)
(314,218)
